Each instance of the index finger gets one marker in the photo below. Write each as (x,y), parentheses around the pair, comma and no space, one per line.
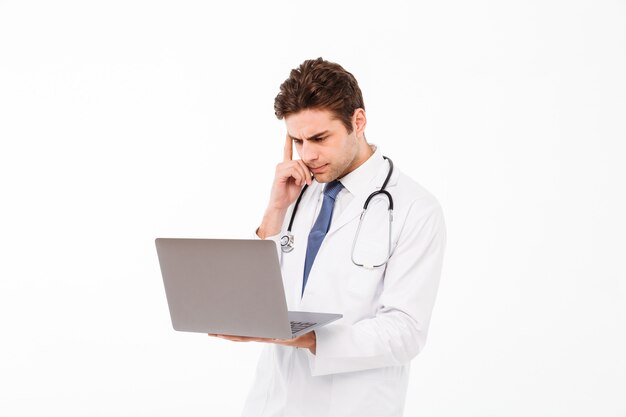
(288,152)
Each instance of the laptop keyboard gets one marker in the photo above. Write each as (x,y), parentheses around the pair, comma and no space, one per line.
(296,326)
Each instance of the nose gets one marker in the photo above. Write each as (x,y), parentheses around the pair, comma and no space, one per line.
(308,152)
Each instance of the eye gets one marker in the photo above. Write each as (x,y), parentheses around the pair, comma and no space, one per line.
(297,141)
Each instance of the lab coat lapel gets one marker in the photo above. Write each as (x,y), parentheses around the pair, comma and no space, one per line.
(355,208)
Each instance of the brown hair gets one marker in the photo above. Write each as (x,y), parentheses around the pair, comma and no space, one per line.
(320,84)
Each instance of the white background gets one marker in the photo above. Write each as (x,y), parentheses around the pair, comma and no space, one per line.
(122,121)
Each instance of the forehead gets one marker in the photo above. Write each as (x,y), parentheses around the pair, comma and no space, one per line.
(310,122)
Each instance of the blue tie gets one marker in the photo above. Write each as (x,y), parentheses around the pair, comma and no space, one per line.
(320,228)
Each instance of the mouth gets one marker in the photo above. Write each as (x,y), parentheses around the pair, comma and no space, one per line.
(319,169)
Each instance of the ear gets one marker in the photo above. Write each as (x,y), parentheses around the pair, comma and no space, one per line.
(358,122)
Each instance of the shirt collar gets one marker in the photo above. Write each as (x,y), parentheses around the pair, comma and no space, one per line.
(358,181)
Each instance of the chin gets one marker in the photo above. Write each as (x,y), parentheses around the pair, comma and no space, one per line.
(324,178)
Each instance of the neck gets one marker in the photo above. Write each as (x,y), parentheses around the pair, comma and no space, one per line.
(365,151)
(363,154)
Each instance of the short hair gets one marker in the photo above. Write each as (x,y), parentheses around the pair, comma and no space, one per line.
(322,85)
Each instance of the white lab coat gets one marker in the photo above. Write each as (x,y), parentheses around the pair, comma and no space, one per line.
(361,366)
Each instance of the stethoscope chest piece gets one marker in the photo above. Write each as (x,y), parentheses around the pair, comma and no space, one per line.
(286,243)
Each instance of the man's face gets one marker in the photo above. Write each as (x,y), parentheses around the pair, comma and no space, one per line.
(324,144)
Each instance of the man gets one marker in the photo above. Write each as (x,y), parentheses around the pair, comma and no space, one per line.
(358,365)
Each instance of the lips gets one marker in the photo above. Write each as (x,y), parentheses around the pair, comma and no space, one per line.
(318,169)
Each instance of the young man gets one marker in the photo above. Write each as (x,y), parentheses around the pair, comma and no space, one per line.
(358,365)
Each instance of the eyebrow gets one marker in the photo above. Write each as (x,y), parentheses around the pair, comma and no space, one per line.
(315,136)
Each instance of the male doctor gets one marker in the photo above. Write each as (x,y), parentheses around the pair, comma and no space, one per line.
(358,365)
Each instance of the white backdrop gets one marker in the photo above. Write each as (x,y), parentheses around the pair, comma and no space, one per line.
(122,121)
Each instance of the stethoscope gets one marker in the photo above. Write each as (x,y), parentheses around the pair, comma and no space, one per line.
(287,240)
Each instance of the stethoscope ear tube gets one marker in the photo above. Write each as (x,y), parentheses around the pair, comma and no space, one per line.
(374,194)
(356,238)
(295,208)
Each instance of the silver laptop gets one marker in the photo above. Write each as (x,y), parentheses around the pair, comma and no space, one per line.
(232,287)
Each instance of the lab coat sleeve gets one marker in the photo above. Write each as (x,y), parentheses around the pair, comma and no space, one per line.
(397,332)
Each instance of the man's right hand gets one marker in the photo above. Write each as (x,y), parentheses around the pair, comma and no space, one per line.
(290,177)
